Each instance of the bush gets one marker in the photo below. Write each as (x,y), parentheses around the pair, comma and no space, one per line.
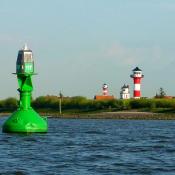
(8,104)
(139,103)
(82,103)
(165,103)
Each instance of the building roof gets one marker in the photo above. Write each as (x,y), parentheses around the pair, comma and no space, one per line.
(136,69)
(125,86)
(102,97)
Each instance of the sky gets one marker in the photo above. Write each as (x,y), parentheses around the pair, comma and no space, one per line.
(80,44)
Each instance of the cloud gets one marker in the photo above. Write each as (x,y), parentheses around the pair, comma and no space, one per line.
(134,55)
(125,55)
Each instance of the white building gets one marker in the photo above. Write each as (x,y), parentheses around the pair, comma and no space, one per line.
(124,93)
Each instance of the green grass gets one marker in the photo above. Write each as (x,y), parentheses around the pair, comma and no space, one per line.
(82,105)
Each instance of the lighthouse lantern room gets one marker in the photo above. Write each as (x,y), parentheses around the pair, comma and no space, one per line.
(25,62)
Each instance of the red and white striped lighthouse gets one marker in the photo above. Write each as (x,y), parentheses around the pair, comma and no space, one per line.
(137,76)
(105,90)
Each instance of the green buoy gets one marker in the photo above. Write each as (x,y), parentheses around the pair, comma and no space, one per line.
(25,119)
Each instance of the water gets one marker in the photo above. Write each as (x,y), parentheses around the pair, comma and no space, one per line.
(91,147)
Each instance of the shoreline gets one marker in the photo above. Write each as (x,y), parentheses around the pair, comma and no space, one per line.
(121,115)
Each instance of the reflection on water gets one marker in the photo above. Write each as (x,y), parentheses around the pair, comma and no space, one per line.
(85,147)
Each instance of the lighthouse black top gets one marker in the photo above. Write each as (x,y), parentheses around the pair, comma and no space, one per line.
(136,69)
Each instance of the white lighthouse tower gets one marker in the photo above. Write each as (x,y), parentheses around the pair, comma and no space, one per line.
(137,76)
(124,93)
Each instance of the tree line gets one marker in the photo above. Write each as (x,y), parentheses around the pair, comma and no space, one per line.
(82,104)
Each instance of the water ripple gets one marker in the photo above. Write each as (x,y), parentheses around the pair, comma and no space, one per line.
(91,147)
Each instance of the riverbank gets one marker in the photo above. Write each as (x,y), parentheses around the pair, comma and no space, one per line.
(126,115)
(121,115)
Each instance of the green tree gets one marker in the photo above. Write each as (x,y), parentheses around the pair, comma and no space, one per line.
(161,93)
(10,103)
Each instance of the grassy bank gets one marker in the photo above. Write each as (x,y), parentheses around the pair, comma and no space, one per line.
(84,105)
(114,115)
(73,107)
(127,115)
